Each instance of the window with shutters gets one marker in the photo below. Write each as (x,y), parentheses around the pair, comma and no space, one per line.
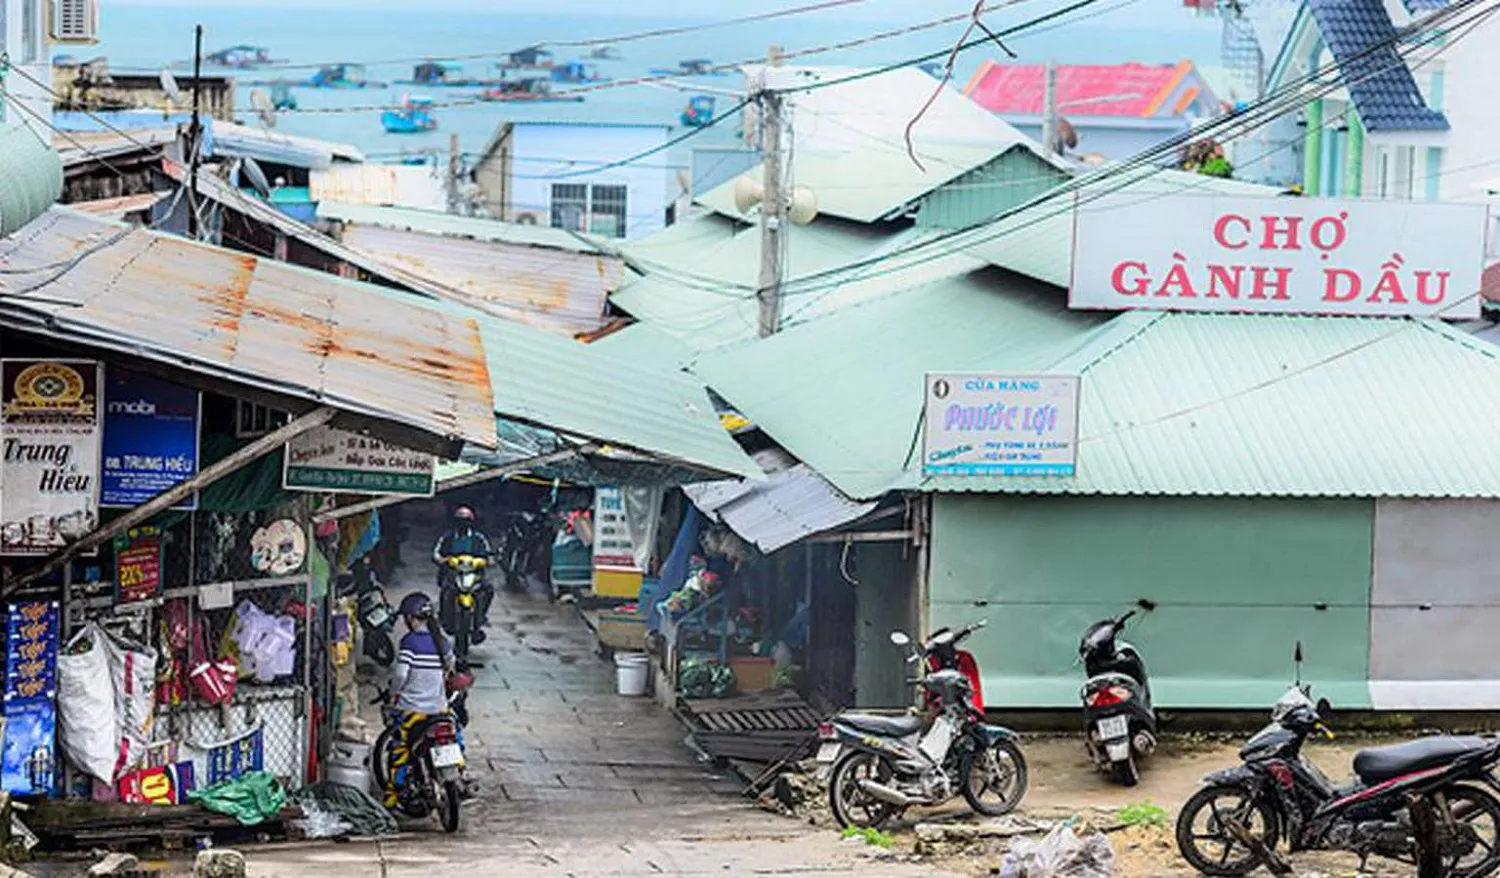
(596,208)
(570,206)
(31,31)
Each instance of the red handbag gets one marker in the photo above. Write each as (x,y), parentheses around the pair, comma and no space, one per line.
(212,680)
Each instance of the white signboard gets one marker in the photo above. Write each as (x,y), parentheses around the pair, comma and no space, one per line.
(49,483)
(329,459)
(1278,255)
(614,547)
(1000,425)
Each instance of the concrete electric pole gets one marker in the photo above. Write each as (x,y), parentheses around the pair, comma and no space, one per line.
(1049,108)
(455,170)
(773,205)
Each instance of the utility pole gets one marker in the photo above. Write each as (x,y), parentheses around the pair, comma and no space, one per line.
(1049,108)
(195,139)
(455,170)
(773,201)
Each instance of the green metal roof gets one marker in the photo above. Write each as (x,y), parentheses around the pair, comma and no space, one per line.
(455,226)
(1038,241)
(700,274)
(844,394)
(1237,404)
(31,177)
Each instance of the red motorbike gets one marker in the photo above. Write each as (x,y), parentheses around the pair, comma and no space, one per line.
(942,654)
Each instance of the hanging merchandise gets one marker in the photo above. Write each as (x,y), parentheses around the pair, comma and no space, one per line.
(132,674)
(267,645)
(171,669)
(212,679)
(278,548)
(30,692)
(88,728)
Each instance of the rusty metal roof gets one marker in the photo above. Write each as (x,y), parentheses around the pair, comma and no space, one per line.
(251,321)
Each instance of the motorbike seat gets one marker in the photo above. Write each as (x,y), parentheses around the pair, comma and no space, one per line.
(1380,764)
(894,726)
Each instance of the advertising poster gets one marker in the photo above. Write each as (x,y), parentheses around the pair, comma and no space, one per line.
(237,757)
(26,759)
(614,546)
(329,459)
(138,564)
(150,438)
(1000,425)
(49,427)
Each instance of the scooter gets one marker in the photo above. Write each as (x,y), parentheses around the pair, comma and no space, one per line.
(883,765)
(460,601)
(434,778)
(376,617)
(1118,715)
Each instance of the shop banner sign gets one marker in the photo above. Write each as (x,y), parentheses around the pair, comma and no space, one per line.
(1000,425)
(49,426)
(329,459)
(614,547)
(26,757)
(237,757)
(150,438)
(1278,255)
(138,563)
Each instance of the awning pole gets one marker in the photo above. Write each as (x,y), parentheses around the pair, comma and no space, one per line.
(462,481)
(174,495)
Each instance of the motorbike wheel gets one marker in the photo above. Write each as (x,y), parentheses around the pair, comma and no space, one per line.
(379,648)
(1214,804)
(999,771)
(461,628)
(1477,810)
(852,806)
(448,802)
(1124,772)
(380,765)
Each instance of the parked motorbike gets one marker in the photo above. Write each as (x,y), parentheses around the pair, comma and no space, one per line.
(1118,715)
(377,619)
(459,611)
(1235,822)
(883,765)
(434,776)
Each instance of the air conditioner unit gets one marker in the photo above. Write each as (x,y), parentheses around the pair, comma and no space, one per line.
(75,21)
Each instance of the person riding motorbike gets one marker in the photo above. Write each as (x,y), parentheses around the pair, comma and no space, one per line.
(464,539)
(418,684)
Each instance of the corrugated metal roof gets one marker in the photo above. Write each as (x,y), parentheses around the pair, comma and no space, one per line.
(1236,404)
(227,138)
(399,185)
(560,290)
(715,307)
(451,225)
(647,343)
(844,393)
(114,208)
(82,147)
(31,177)
(793,502)
(1038,241)
(1130,89)
(253,321)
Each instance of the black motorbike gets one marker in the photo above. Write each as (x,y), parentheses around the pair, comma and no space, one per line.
(883,765)
(1235,822)
(377,619)
(1118,716)
(435,775)
(525,543)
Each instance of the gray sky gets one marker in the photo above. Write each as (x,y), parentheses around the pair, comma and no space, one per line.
(880,10)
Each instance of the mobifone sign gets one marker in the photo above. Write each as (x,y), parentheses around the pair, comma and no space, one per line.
(1000,425)
(1278,255)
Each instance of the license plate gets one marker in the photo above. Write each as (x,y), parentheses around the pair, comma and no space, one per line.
(828,752)
(1114,727)
(445,755)
(378,617)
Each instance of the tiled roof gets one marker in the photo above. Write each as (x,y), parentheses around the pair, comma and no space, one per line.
(1419,7)
(1379,82)
(1129,90)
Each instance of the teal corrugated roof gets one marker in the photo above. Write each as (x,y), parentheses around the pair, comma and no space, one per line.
(1238,404)
(645,343)
(31,177)
(844,393)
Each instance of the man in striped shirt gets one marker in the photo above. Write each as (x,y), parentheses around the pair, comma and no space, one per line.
(418,684)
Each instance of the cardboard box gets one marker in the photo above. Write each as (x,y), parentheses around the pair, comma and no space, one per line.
(752,673)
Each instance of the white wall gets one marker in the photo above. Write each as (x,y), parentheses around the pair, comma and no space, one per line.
(548,154)
(35,98)
(1471,67)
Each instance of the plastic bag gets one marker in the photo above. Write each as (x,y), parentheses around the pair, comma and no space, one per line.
(88,727)
(132,674)
(1061,854)
(320,823)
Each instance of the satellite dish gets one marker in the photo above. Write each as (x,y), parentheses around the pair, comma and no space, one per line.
(261,102)
(169,85)
(255,177)
(747,193)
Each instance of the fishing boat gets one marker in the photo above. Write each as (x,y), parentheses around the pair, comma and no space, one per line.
(342,76)
(699,111)
(529,58)
(605,53)
(690,67)
(444,74)
(576,71)
(241,57)
(414,116)
(282,97)
(537,89)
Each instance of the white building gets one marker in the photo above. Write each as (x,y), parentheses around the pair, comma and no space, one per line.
(601,178)
(25,39)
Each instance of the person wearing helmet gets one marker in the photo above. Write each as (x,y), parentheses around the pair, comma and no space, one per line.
(465,538)
(418,684)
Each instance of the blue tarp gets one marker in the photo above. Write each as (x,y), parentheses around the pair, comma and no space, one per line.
(674,570)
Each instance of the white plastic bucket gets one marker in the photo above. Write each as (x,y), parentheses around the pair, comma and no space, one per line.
(631,671)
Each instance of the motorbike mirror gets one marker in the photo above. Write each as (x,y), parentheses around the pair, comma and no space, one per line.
(900,638)
(1147,605)
(1297,653)
(1324,707)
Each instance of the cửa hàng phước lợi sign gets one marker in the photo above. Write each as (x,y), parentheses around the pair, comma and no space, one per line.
(978,424)
(1278,255)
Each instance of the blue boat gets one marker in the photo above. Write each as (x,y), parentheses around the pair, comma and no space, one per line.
(699,111)
(414,116)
